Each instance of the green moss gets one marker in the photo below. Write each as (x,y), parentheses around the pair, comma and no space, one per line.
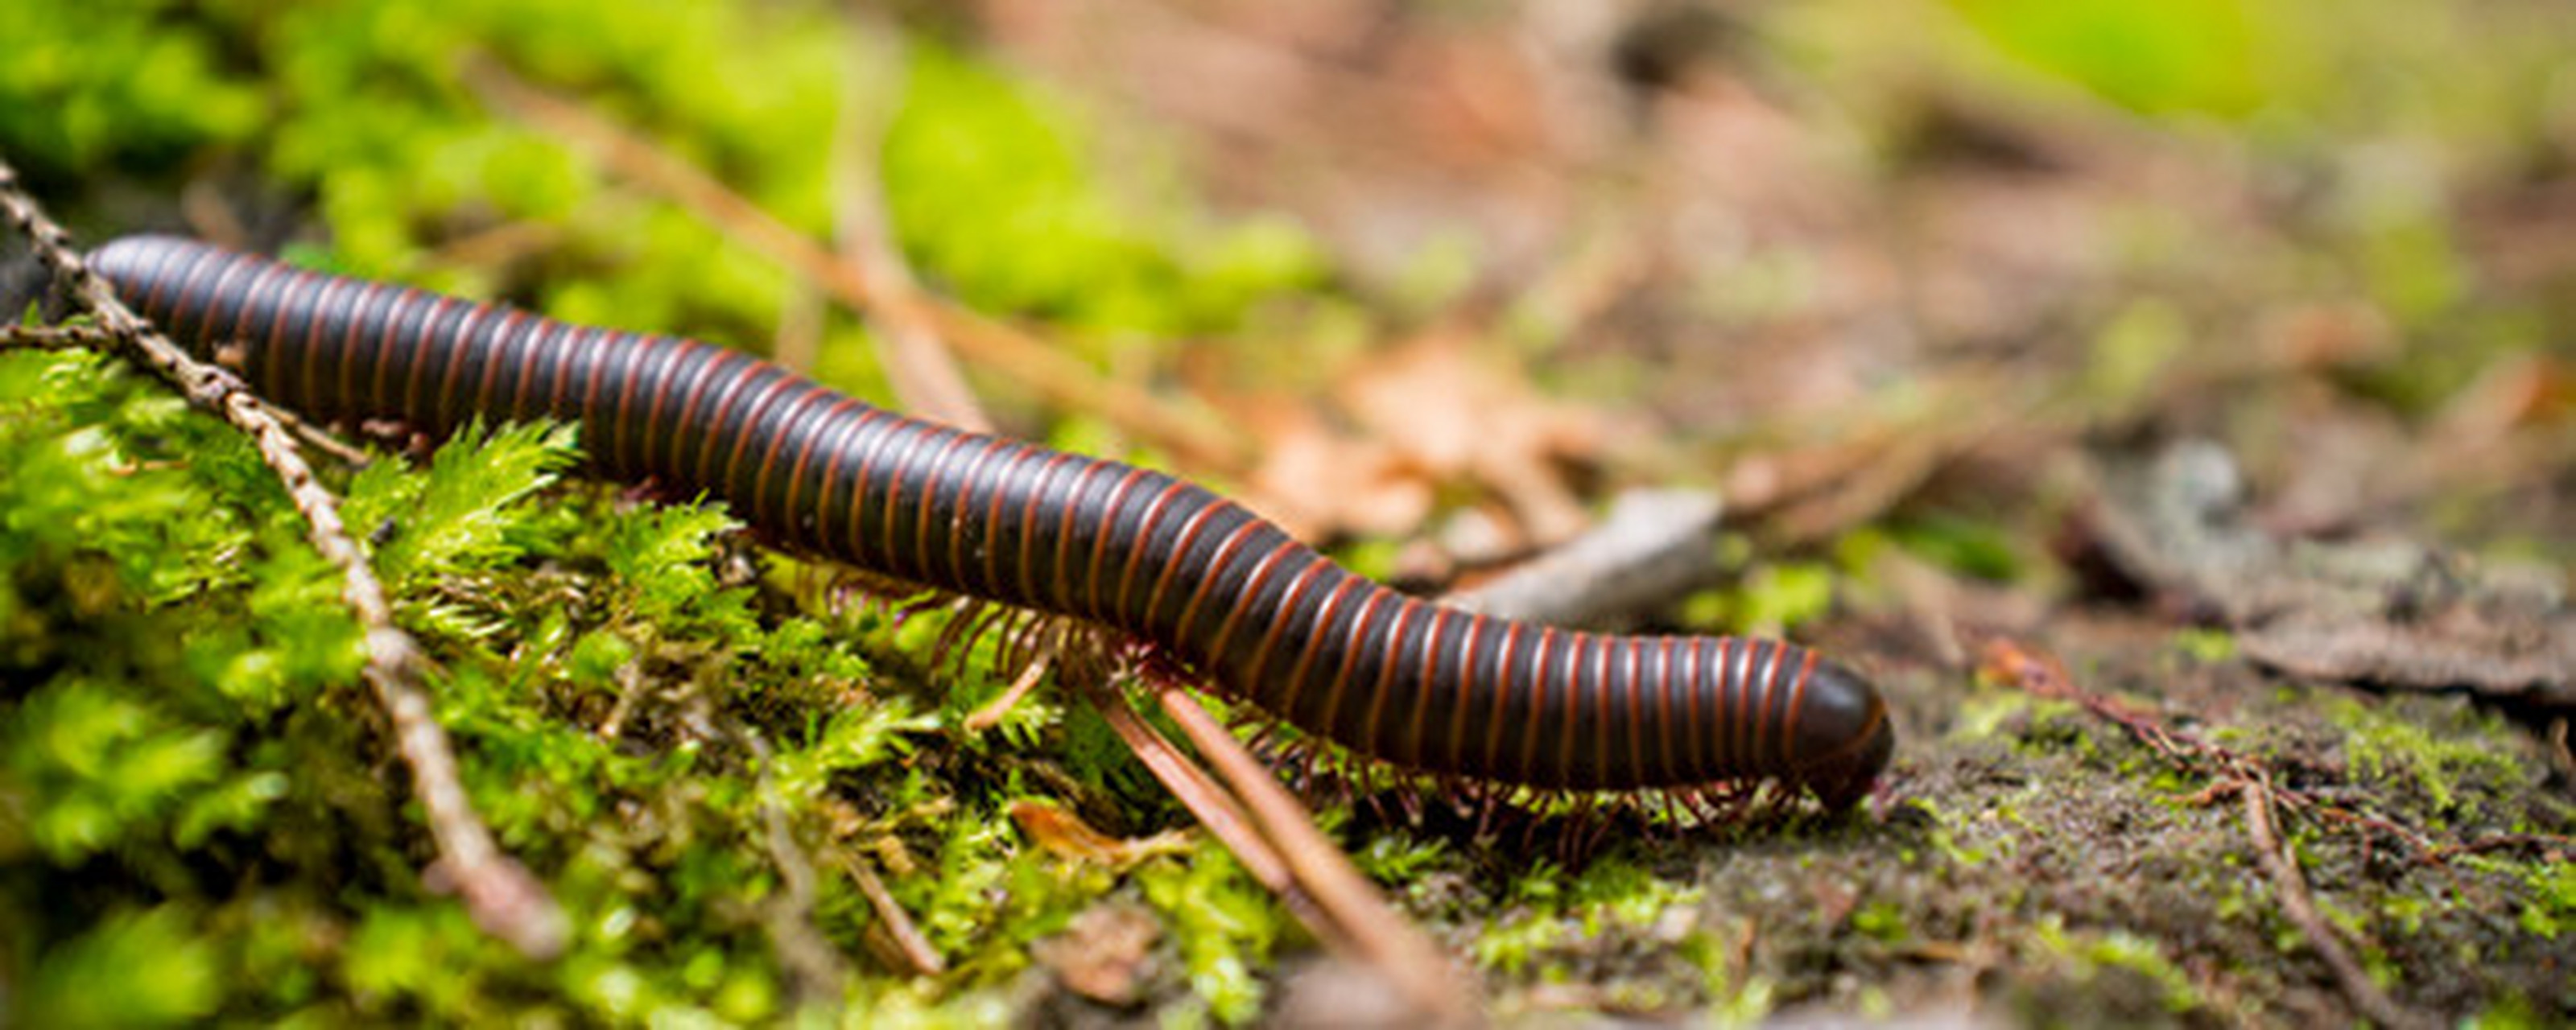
(1881,921)
(132,968)
(2206,56)
(1223,923)
(2415,762)
(2119,950)
(1968,546)
(1771,599)
(2205,645)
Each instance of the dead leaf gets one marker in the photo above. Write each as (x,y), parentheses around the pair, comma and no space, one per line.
(1103,955)
(1455,418)
(1065,835)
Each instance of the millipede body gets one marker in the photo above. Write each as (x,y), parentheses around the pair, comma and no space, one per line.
(1263,617)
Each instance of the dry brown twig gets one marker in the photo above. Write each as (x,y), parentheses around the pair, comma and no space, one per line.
(813,965)
(1275,838)
(93,338)
(505,900)
(1379,935)
(918,363)
(62,337)
(2301,911)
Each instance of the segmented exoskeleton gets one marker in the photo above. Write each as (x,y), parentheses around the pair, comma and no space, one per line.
(1264,618)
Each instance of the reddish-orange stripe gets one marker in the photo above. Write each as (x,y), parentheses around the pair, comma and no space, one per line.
(751,420)
(1636,709)
(888,436)
(1757,711)
(1025,575)
(452,351)
(1252,680)
(380,298)
(826,528)
(423,352)
(1323,626)
(546,355)
(1214,570)
(1466,691)
(965,500)
(1506,687)
(799,527)
(311,356)
(505,350)
(1350,656)
(664,429)
(594,347)
(931,488)
(1060,586)
(1248,596)
(769,455)
(1108,519)
(1368,738)
(1180,551)
(744,371)
(1577,695)
(1144,536)
(1428,685)
(1697,737)
(1664,712)
(1538,702)
(1599,698)
(217,337)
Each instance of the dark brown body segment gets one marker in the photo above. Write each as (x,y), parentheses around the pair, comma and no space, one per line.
(1266,618)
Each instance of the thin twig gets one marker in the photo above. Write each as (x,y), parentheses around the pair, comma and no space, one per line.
(2302,912)
(1006,351)
(991,714)
(93,338)
(59,337)
(2563,847)
(1654,547)
(501,895)
(1217,810)
(900,932)
(918,363)
(813,966)
(1384,938)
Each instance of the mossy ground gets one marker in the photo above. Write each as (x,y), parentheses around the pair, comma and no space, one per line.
(704,748)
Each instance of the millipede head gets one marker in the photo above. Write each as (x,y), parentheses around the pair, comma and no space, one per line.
(1842,736)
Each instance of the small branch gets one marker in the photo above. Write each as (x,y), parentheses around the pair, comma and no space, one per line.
(1063,380)
(900,931)
(1654,547)
(503,897)
(59,337)
(1381,936)
(814,970)
(1223,816)
(917,360)
(2546,843)
(993,711)
(2302,912)
(93,338)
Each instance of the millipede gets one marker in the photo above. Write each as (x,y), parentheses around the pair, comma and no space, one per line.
(1259,616)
